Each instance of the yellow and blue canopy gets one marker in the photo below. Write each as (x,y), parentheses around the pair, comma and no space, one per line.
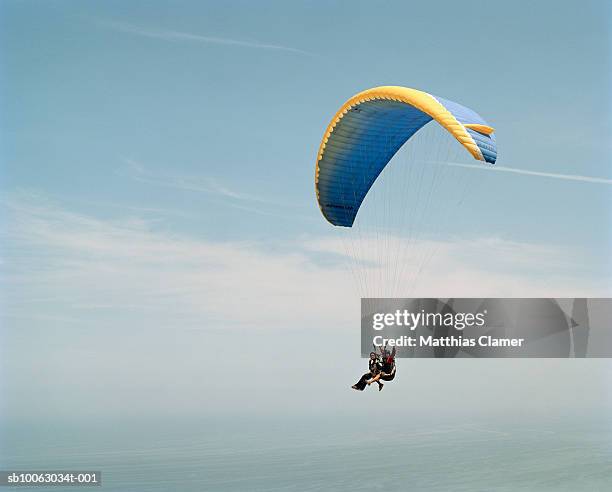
(370,128)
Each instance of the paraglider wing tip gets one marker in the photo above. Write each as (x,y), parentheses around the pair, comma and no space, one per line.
(484,129)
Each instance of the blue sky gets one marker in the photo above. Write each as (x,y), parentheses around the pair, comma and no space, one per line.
(195,90)
(158,158)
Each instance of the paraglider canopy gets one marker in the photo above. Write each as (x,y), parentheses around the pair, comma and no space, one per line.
(370,128)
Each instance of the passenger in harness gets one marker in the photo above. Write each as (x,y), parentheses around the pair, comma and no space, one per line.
(374,367)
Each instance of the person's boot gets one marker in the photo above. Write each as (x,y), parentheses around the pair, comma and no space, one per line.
(380,386)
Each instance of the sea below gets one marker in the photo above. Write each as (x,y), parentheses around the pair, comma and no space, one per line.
(241,453)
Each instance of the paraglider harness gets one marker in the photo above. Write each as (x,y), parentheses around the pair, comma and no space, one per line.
(388,364)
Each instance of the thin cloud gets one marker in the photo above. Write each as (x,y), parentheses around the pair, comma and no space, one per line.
(127,268)
(86,263)
(566,177)
(172,36)
(211,186)
(187,183)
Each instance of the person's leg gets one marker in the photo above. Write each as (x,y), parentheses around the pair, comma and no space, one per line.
(361,384)
(375,379)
